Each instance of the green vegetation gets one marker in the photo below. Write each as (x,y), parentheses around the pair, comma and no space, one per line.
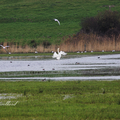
(62,100)
(105,23)
(22,21)
(26,54)
(64,73)
(46,55)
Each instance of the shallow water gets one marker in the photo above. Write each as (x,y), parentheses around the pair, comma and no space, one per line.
(64,64)
(63,78)
(9,95)
(89,62)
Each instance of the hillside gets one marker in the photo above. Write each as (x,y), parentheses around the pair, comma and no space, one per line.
(26,20)
(29,23)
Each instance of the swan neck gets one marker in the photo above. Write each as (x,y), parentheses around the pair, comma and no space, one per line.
(58,50)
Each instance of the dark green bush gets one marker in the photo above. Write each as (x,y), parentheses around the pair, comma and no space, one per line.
(105,23)
(46,44)
(33,43)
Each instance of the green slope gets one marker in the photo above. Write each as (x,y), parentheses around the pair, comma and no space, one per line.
(26,20)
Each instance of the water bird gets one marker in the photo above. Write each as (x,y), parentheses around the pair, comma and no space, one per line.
(36,52)
(43,79)
(57,21)
(58,55)
(113,50)
(52,51)
(28,64)
(36,56)
(77,63)
(53,69)
(4,48)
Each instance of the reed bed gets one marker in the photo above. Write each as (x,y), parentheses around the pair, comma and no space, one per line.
(81,42)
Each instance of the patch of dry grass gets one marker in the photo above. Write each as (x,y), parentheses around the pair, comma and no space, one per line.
(81,42)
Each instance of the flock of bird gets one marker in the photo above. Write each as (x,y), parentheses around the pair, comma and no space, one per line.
(57,54)
(4,47)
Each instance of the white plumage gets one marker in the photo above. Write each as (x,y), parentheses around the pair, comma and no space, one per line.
(58,55)
(57,21)
(4,46)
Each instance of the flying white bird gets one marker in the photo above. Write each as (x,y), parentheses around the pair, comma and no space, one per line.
(57,21)
(4,46)
(58,55)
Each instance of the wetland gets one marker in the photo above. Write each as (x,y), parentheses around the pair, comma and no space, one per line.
(78,67)
(74,87)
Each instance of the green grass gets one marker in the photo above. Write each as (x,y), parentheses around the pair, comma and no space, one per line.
(65,73)
(24,20)
(50,54)
(46,100)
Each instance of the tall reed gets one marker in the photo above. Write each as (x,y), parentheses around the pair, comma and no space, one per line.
(81,42)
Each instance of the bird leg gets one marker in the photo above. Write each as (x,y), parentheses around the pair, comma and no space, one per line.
(6,51)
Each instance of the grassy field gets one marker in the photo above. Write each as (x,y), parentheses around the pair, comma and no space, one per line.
(61,100)
(22,21)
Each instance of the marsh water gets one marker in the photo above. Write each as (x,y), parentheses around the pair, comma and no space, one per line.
(86,67)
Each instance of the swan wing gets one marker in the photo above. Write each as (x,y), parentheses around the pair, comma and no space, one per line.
(54,55)
(63,53)
(57,56)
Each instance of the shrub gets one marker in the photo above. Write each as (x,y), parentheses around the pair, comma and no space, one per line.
(105,23)
(46,44)
(33,44)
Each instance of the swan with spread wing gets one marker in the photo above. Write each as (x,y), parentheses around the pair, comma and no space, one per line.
(58,55)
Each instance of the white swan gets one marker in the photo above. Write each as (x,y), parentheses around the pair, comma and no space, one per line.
(57,21)
(58,55)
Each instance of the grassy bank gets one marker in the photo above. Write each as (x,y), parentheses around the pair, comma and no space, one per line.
(81,42)
(50,54)
(62,100)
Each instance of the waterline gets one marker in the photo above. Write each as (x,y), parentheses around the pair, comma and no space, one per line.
(62,78)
